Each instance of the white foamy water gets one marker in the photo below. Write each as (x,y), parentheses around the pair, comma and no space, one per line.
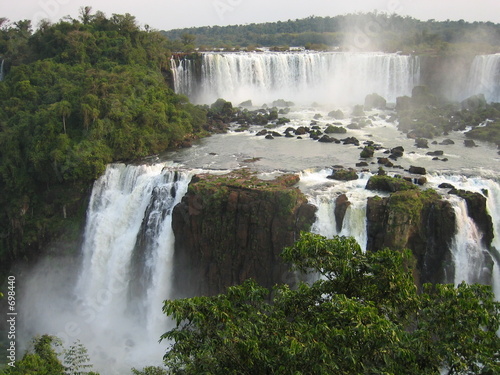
(303,77)
(115,308)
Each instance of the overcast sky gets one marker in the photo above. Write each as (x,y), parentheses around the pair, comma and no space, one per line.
(170,14)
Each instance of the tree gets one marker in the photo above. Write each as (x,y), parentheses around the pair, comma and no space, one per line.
(63,109)
(363,316)
(43,359)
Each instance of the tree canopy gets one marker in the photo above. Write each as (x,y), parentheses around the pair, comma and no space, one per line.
(363,315)
(76,96)
(359,31)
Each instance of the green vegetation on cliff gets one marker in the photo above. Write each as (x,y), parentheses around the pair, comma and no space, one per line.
(76,96)
(364,316)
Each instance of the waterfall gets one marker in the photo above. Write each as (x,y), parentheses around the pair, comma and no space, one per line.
(467,230)
(324,198)
(115,305)
(469,256)
(2,72)
(184,76)
(472,262)
(484,77)
(304,77)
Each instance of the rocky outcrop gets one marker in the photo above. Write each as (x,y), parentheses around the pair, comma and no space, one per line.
(233,227)
(417,220)
(477,210)
(388,184)
(341,205)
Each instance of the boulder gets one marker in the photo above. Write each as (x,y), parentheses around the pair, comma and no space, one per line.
(301,130)
(421,143)
(326,139)
(367,152)
(341,205)
(343,175)
(469,143)
(403,103)
(474,103)
(246,103)
(330,129)
(417,170)
(338,114)
(375,101)
(446,185)
(435,153)
(397,151)
(388,184)
(447,142)
(350,141)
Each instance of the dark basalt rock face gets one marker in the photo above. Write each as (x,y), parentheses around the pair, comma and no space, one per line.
(341,205)
(233,227)
(420,221)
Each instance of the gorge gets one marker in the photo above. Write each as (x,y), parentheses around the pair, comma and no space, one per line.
(165,228)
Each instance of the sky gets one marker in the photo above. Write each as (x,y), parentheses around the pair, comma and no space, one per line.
(172,14)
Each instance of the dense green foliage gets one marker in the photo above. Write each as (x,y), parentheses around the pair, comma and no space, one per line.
(360,31)
(363,316)
(44,358)
(76,96)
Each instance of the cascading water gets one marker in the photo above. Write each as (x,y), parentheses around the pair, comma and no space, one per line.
(304,77)
(472,262)
(467,244)
(469,256)
(324,197)
(184,76)
(125,273)
(484,77)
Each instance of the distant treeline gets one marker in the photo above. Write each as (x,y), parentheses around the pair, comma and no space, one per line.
(371,31)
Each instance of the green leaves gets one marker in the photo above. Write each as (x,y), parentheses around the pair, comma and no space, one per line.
(77,96)
(363,316)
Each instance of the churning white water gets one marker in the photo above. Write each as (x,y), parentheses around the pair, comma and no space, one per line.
(115,309)
(466,248)
(323,194)
(303,77)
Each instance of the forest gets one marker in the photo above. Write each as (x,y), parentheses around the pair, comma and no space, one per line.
(76,96)
(363,31)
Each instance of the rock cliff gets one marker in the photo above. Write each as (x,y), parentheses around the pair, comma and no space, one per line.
(422,221)
(232,227)
(417,220)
